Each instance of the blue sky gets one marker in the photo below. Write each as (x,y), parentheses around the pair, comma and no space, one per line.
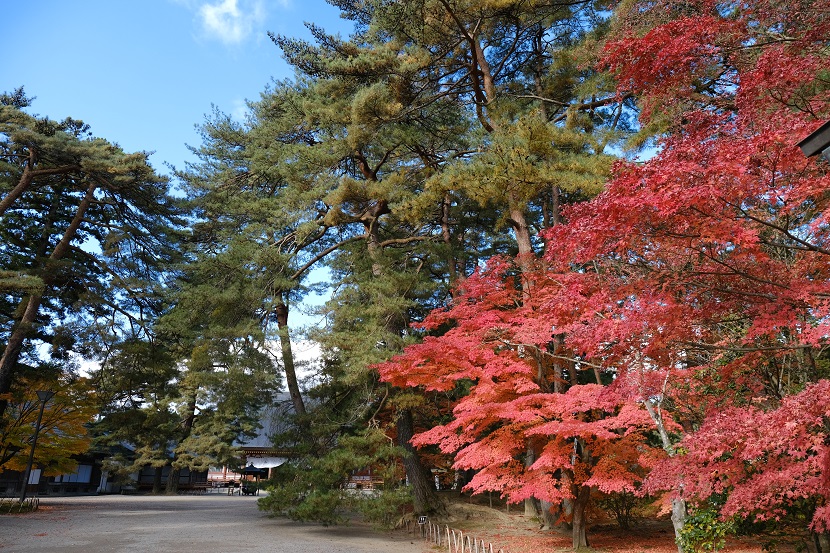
(144,73)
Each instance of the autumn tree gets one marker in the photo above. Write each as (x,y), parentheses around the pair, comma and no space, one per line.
(496,343)
(411,68)
(763,465)
(697,278)
(701,272)
(63,429)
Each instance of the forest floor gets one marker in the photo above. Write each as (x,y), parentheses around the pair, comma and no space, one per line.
(513,532)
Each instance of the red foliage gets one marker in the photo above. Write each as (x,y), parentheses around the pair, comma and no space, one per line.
(583,437)
(765,460)
(697,279)
(712,260)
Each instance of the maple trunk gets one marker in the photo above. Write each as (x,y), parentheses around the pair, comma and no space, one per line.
(678,505)
(554,515)
(580,522)
(547,516)
(822,542)
(678,518)
(531,509)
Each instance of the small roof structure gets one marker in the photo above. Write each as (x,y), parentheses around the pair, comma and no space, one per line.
(818,142)
(259,451)
(265,462)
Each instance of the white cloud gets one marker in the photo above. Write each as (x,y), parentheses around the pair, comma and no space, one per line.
(239,111)
(231,21)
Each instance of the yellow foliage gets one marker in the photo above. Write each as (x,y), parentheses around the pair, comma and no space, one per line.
(63,431)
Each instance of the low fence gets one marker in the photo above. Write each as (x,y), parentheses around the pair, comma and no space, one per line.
(455,541)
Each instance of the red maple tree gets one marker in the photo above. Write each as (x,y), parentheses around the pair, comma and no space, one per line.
(497,344)
(703,272)
(699,279)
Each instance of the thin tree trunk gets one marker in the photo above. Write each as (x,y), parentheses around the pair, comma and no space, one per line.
(187,428)
(678,519)
(678,505)
(173,480)
(453,263)
(547,515)
(539,69)
(555,205)
(530,503)
(424,497)
(157,473)
(288,360)
(822,542)
(22,331)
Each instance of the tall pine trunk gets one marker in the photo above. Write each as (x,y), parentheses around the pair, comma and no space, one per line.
(425,499)
(173,480)
(524,244)
(187,428)
(424,496)
(24,328)
(157,474)
(288,360)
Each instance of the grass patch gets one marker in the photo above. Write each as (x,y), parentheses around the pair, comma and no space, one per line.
(14,506)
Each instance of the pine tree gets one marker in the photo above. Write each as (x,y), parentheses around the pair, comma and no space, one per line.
(61,189)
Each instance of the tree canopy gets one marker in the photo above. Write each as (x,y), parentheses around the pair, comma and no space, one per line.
(514,293)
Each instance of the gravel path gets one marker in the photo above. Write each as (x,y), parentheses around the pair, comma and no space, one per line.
(213,523)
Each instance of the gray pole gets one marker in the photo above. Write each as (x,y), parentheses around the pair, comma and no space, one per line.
(43,396)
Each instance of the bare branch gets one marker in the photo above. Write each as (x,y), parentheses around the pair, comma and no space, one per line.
(299,272)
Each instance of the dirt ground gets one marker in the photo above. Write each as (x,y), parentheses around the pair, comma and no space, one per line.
(513,532)
(233,524)
(214,523)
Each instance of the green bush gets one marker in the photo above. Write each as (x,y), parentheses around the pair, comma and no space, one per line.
(704,530)
(315,488)
(385,507)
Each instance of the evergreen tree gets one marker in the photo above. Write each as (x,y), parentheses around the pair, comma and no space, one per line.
(87,233)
